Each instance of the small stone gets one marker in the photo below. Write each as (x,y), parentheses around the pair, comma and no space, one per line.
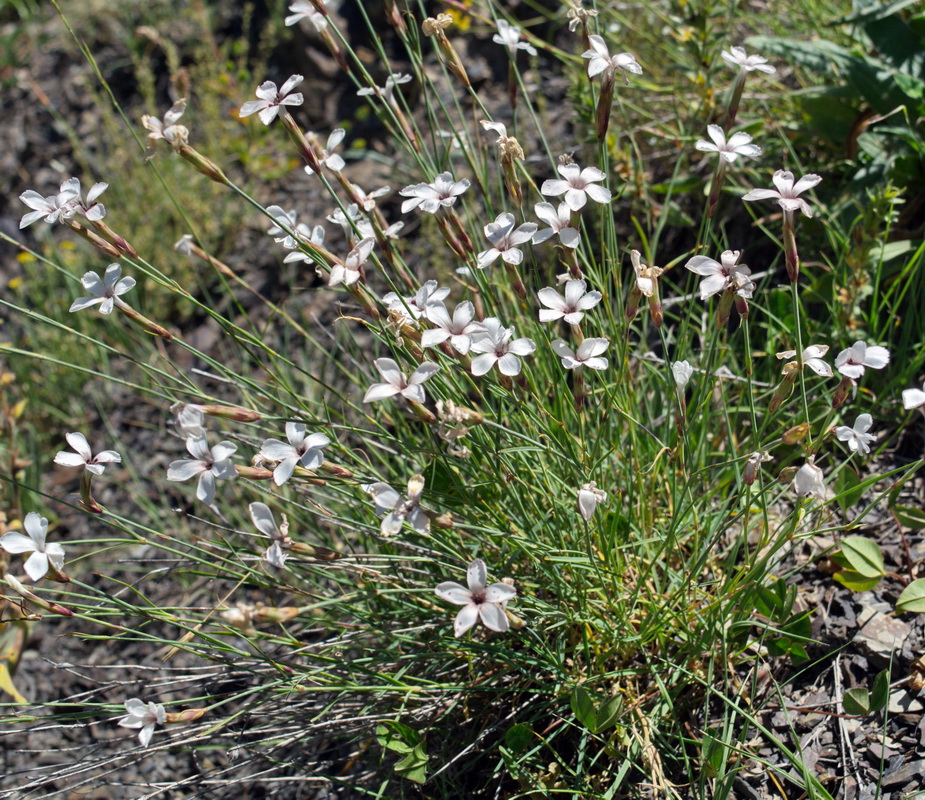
(880,635)
(901,702)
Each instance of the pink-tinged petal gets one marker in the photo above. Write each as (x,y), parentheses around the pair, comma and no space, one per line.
(106,306)
(500,593)
(184,470)
(554,188)
(703,265)
(414,393)
(388,369)
(522,347)
(705,146)
(715,132)
(482,364)
(32,216)
(277,450)
(380,391)
(223,450)
(783,180)
(493,617)
(36,566)
(876,357)
(263,519)
(509,365)
(145,734)
(551,298)
(434,336)
(487,257)
(589,174)
(596,65)
(550,315)
(423,373)
(291,82)
(452,592)
(383,495)
(547,213)
(513,257)
(863,422)
(711,285)
(205,490)
(587,503)
(806,182)
(292,100)
(108,457)
(79,442)
(570,237)
(55,553)
(66,459)
(316,441)
(575,199)
(465,619)
(461,343)
(284,470)
(598,194)
(596,363)
(16,543)
(251,107)
(592,347)
(267,115)
(335,162)
(199,448)
(123,286)
(854,371)
(819,366)
(761,194)
(561,349)
(574,291)
(477,575)
(84,302)
(912,398)
(813,351)
(95,469)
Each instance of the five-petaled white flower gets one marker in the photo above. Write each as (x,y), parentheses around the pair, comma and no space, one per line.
(812,358)
(459,329)
(300,450)
(105,291)
(168,130)
(747,63)
(401,509)
(739,144)
(588,353)
(857,438)
(809,481)
(83,457)
(267,107)
(787,192)
(431,197)
(577,186)
(914,398)
(302,9)
(559,222)
(145,716)
(348,273)
(509,36)
(42,555)
(572,307)
(852,362)
(496,347)
(681,371)
(92,210)
(478,601)
(209,463)
(720,275)
(601,60)
(589,498)
(411,387)
(385,92)
(410,309)
(52,208)
(505,238)
(279,535)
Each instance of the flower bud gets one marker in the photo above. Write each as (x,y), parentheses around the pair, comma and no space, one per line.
(796,433)
(311,551)
(189,715)
(232,412)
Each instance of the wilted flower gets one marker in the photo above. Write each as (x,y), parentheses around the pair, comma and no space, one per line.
(396,382)
(739,144)
(812,358)
(509,36)
(431,197)
(857,438)
(168,130)
(145,716)
(302,9)
(559,221)
(587,355)
(787,193)
(413,308)
(852,362)
(266,524)
(267,107)
(478,601)
(578,185)
(459,329)
(505,239)
(571,308)
(42,555)
(300,450)
(753,465)
(589,498)
(682,372)
(328,157)
(84,457)
(747,63)
(579,16)
(189,420)
(913,398)
(52,208)
(496,347)
(105,292)
(385,92)
(809,481)
(348,273)
(601,61)
(210,464)
(368,199)
(401,509)
(720,275)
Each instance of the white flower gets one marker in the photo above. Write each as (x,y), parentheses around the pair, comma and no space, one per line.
(646,276)
(739,144)
(94,464)
(144,716)
(682,372)
(459,329)
(509,36)
(559,222)
(852,362)
(410,387)
(368,199)
(189,420)
(478,601)
(92,210)
(857,438)
(578,185)
(413,308)
(589,497)
(105,291)
(302,9)
(385,92)
(787,193)
(753,465)
(266,524)
(400,509)
(210,464)
(301,449)
(579,16)
(812,358)
(431,197)
(505,239)
(328,157)
(33,541)
(497,348)
(913,398)
(267,107)
(348,273)
(168,130)
(52,208)
(747,63)
(602,61)
(719,275)
(587,355)
(809,481)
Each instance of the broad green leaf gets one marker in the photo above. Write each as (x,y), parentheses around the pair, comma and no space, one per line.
(518,737)
(912,598)
(608,713)
(848,488)
(910,517)
(856,701)
(864,556)
(880,693)
(583,707)
(855,581)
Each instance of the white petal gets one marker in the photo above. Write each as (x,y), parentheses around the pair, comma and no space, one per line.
(493,617)
(452,592)
(465,619)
